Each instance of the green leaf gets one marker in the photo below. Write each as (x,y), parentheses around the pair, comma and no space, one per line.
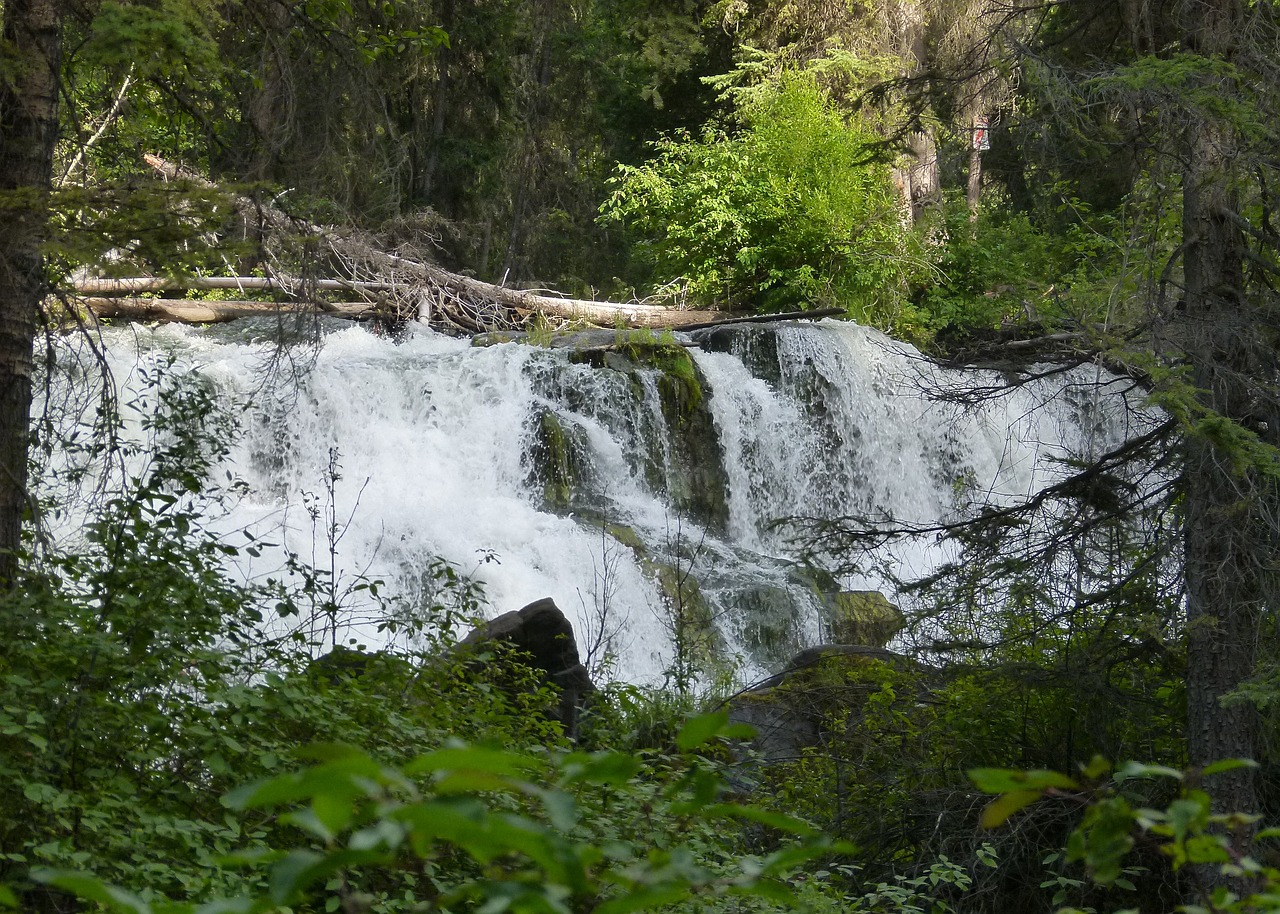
(702,729)
(292,874)
(452,782)
(782,822)
(91,888)
(1228,764)
(644,898)
(1007,780)
(769,890)
(562,810)
(227,906)
(599,768)
(1000,809)
(329,752)
(1097,767)
(1139,770)
(473,759)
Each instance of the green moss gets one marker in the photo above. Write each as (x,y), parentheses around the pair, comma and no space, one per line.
(555,466)
(679,384)
(863,617)
(627,537)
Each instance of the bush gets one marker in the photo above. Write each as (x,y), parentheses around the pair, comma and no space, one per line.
(792,210)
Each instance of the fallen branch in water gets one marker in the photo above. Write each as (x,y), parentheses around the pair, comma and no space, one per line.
(187,311)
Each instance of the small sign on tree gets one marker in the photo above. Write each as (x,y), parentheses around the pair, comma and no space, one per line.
(981,133)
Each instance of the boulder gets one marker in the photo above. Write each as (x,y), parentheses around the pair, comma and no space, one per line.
(788,710)
(542,633)
(863,617)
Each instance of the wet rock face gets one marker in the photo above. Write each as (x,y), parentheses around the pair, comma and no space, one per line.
(542,633)
(696,476)
(757,346)
(559,461)
(684,456)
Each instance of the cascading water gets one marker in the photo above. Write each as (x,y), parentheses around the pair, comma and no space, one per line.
(626,489)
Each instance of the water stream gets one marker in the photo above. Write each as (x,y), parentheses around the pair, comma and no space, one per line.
(543,475)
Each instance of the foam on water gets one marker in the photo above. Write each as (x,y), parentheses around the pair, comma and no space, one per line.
(433,438)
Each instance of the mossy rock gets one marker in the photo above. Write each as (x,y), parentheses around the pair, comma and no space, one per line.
(694,473)
(690,612)
(680,590)
(557,463)
(863,617)
(628,537)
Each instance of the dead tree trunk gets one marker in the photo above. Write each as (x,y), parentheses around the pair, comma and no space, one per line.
(469,303)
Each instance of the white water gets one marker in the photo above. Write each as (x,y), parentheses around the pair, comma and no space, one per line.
(433,438)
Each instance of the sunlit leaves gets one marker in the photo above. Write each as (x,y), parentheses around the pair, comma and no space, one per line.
(511,841)
(791,210)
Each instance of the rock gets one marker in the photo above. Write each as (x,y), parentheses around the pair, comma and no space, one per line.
(864,617)
(789,709)
(342,663)
(542,633)
(690,466)
(559,464)
(812,656)
(770,620)
(755,344)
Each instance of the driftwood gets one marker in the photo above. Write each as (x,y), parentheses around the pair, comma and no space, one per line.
(131,285)
(438,295)
(186,311)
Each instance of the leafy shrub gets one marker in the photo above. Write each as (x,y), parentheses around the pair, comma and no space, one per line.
(464,827)
(139,683)
(792,210)
(988,271)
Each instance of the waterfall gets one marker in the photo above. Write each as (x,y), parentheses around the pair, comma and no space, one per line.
(602,482)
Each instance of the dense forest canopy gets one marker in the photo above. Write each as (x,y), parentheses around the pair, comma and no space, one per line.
(1003,182)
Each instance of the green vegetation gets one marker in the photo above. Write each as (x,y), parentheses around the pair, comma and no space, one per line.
(762,157)
(789,210)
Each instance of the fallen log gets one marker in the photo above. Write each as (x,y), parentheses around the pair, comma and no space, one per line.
(131,285)
(186,311)
(465,301)
(769,318)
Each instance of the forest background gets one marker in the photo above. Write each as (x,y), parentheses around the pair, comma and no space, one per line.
(750,156)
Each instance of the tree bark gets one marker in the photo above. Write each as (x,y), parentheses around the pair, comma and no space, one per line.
(974,192)
(28,131)
(1229,526)
(188,311)
(130,285)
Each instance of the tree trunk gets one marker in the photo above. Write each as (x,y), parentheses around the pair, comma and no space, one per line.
(28,131)
(268,110)
(1231,504)
(975,183)
(1225,524)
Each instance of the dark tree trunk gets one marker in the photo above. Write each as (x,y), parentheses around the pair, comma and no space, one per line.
(1229,526)
(28,130)
(439,105)
(269,111)
(1226,530)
